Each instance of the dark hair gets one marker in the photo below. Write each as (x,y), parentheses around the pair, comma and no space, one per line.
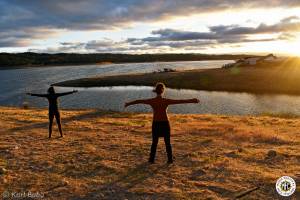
(159,88)
(51,90)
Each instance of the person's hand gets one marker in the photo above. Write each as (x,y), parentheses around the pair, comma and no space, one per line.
(195,100)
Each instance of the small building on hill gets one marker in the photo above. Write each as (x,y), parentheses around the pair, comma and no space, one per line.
(252,61)
(255,60)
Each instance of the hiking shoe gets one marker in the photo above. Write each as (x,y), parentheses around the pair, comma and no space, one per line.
(151,161)
(170,162)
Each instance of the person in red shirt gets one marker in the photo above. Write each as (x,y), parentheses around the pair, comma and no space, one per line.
(160,124)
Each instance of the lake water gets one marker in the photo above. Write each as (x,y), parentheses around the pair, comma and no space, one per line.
(16,82)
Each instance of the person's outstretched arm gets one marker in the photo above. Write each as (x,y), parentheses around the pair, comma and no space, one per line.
(141,101)
(181,101)
(37,95)
(66,93)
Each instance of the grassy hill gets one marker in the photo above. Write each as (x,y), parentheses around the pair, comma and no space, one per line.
(103,156)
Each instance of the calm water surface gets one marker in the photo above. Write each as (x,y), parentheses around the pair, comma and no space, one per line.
(113,98)
(15,83)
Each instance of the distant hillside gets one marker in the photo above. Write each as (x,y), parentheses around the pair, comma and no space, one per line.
(36,59)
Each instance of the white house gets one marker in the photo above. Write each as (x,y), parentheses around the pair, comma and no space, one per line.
(251,61)
(255,60)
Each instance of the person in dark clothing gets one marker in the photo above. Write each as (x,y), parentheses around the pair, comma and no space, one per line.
(160,124)
(52,98)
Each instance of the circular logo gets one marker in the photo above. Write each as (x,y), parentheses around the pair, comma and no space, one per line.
(285,186)
(5,194)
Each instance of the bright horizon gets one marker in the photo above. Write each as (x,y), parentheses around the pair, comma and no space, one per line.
(135,27)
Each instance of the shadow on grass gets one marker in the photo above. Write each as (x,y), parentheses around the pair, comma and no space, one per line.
(84,116)
(121,186)
(86,171)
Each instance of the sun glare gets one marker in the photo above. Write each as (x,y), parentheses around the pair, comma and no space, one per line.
(294,47)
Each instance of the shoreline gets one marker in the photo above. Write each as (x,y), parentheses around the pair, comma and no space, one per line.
(44,66)
(283,115)
(279,78)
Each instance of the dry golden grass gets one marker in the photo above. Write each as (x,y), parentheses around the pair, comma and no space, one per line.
(103,156)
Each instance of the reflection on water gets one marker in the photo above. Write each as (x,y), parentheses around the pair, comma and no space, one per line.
(15,83)
(113,98)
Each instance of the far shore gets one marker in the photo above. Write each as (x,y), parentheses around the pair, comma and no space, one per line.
(86,64)
(29,59)
(53,65)
(267,78)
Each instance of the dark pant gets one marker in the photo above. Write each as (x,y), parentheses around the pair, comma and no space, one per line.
(161,129)
(55,114)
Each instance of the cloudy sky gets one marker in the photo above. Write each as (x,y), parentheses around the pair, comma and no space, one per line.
(156,26)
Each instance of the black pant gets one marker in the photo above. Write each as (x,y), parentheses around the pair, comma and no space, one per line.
(56,114)
(161,129)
